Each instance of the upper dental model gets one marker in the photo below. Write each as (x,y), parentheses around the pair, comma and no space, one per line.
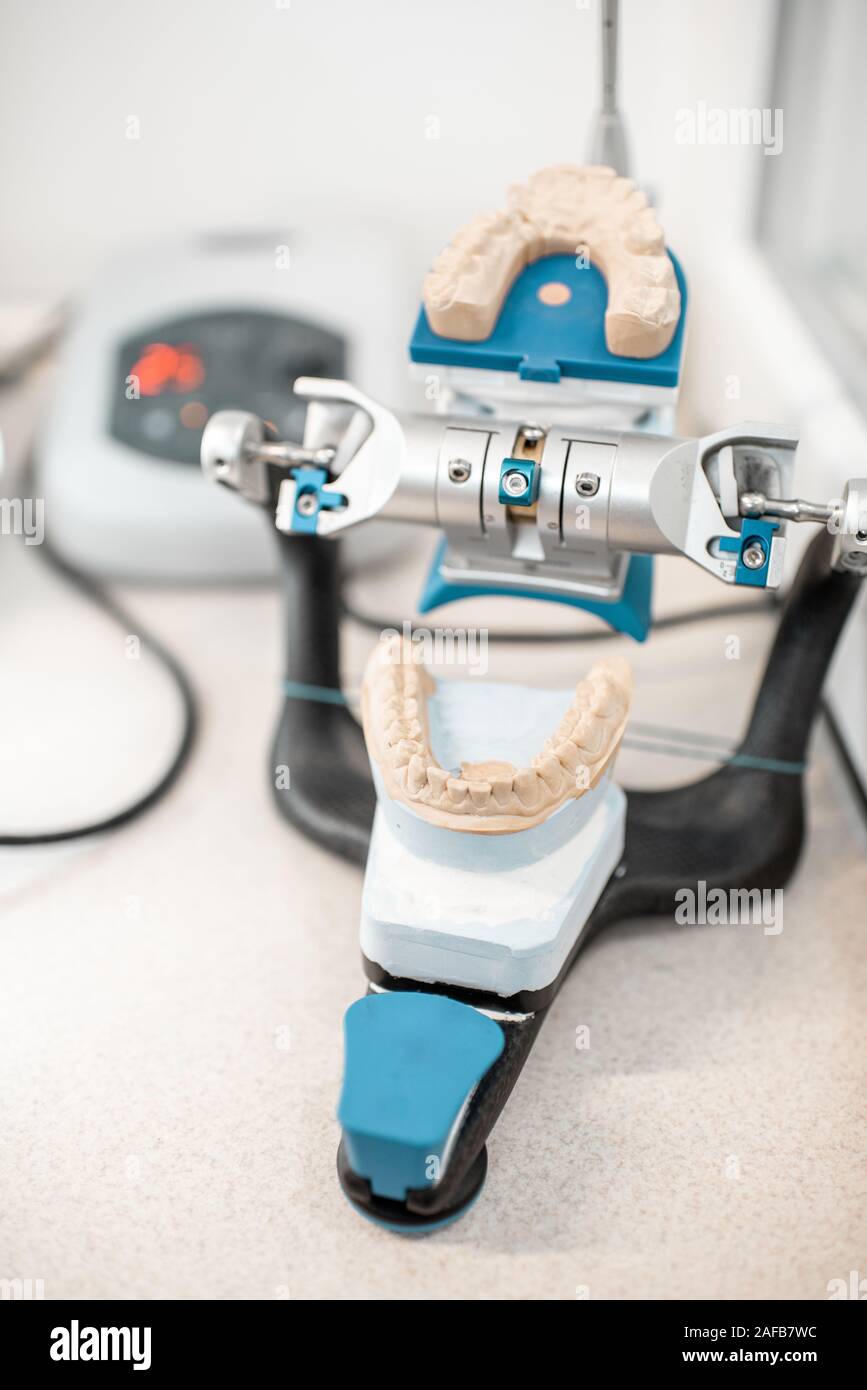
(561,211)
(492,797)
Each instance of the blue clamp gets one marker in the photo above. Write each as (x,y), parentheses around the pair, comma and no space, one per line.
(756,537)
(309,482)
(412,1061)
(519,482)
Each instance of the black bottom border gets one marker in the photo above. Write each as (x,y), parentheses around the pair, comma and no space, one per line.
(200,1336)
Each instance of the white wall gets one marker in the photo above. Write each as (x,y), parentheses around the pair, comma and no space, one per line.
(252,111)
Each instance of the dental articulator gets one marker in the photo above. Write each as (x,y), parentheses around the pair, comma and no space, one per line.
(497,840)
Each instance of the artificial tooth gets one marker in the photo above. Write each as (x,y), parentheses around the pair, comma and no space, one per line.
(527,787)
(405,750)
(438,777)
(589,734)
(607,702)
(480,793)
(501,790)
(567,754)
(551,773)
(416,773)
(457,789)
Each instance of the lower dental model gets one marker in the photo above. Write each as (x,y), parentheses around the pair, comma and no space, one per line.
(563,210)
(490,797)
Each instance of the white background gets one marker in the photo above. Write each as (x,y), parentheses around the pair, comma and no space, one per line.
(251,113)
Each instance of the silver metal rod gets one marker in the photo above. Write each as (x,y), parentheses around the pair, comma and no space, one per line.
(756,504)
(608,144)
(609,57)
(283,452)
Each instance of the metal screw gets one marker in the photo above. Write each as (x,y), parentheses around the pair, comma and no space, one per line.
(861,537)
(754,555)
(532,433)
(306,504)
(459,470)
(587,484)
(515,483)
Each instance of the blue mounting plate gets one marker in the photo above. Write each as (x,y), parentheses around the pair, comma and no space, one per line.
(629,614)
(541,342)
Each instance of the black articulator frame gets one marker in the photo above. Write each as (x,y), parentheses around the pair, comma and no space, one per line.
(741,826)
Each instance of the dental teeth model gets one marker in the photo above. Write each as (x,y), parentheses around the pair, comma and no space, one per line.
(491,796)
(563,210)
(483,877)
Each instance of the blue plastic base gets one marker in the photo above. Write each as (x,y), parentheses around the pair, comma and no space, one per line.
(543,342)
(629,614)
(411,1061)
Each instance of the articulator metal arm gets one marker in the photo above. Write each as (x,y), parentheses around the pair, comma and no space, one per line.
(557,509)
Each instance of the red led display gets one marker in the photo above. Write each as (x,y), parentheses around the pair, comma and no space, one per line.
(162,367)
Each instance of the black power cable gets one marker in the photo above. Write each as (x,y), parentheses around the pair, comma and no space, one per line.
(99,596)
